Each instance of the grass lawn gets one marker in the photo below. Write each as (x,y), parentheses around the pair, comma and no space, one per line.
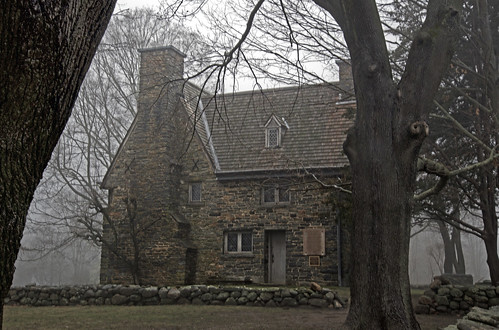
(190,317)
(169,317)
(186,317)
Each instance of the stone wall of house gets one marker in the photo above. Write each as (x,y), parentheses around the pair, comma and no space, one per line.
(181,242)
(144,180)
(236,206)
(153,295)
(225,206)
(457,298)
(229,206)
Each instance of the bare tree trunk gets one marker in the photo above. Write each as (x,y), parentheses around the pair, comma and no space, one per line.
(459,265)
(449,252)
(492,260)
(46,48)
(382,148)
(489,216)
(489,35)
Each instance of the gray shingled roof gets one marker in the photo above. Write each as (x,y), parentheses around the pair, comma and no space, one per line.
(314,139)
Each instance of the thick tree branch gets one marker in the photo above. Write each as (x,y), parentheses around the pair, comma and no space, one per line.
(442,182)
(436,168)
(428,59)
(460,127)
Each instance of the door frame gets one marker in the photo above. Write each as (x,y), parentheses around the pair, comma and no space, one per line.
(270,238)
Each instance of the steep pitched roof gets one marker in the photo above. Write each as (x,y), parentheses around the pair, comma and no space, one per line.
(313,130)
(232,128)
(193,104)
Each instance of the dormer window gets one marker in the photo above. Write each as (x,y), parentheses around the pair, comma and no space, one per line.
(273,137)
(273,132)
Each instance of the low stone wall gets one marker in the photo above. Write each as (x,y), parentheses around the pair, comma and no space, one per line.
(478,318)
(152,295)
(459,299)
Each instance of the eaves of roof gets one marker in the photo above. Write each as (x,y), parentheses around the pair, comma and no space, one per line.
(280,173)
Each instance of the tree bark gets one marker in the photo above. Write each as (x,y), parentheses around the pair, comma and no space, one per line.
(382,148)
(460,265)
(449,252)
(489,217)
(488,31)
(46,49)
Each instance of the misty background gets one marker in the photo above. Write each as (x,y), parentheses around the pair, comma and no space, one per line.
(62,243)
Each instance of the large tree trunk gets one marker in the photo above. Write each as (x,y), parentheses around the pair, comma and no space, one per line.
(488,67)
(459,265)
(382,148)
(46,48)
(449,252)
(453,249)
(489,217)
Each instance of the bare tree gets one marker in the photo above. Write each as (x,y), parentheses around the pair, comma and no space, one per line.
(70,196)
(383,146)
(47,48)
(50,256)
(465,135)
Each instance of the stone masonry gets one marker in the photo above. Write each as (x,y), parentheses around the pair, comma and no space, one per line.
(153,295)
(173,240)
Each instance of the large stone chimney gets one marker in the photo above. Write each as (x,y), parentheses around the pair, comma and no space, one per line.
(162,121)
(345,75)
(161,73)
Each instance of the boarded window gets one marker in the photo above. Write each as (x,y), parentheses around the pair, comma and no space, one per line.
(314,241)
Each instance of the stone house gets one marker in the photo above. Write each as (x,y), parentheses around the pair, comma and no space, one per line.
(227,188)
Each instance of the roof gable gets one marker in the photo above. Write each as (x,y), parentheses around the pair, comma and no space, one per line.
(315,129)
(231,128)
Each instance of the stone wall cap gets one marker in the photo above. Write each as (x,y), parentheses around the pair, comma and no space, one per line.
(162,48)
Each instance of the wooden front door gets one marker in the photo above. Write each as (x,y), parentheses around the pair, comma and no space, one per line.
(276,244)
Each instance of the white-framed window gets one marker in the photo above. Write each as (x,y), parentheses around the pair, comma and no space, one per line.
(195,192)
(274,130)
(273,137)
(276,195)
(238,242)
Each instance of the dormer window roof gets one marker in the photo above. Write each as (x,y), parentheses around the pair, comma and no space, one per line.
(274,129)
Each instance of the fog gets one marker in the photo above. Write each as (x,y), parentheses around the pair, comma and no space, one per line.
(426,257)
(79,261)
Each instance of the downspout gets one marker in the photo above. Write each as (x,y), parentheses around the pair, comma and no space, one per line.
(338,249)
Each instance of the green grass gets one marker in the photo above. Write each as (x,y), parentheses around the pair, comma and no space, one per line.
(190,317)
(167,317)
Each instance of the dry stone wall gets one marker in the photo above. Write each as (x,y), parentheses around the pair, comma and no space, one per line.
(457,298)
(152,295)
(478,318)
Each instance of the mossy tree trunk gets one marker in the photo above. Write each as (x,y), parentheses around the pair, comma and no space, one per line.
(382,148)
(46,49)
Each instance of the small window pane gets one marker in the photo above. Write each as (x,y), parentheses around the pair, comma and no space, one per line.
(232,242)
(269,195)
(246,242)
(283,195)
(273,137)
(196,192)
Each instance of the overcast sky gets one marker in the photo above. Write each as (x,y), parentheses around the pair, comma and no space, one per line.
(122,4)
